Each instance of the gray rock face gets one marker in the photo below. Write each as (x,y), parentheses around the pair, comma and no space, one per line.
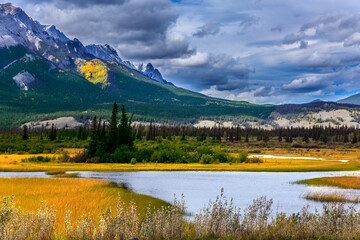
(17,28)
(53,31)
(148,70)
(23,80)
(104,52)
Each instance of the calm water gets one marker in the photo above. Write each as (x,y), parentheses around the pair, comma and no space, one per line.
(200,187)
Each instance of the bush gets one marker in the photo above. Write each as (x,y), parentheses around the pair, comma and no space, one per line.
(37,159)
(144,154)
(79,158)
(122,155)
(221,157)
(254,160)
(133,161)
(243,157)
(206,159)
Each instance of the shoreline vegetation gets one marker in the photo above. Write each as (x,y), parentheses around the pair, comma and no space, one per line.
(344,182)
(125,219)
(54,163)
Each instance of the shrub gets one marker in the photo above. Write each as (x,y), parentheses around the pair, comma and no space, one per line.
(122,155)
(37,159)
(254,160)
(133,161)
(243,156)
(79,158)
(206,159)
(221,157)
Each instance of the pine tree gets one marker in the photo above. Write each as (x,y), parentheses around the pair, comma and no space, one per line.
(231,138)
(126,136)
(306,137)
(280,136)
(354,139)
(113,142)
(25,135)
(149,135)
(52,136)
(92,149)
(324,138)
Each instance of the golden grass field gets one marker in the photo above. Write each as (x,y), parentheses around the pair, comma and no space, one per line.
(80,196)
(13,163)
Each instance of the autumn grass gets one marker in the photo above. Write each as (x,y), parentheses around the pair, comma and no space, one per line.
(12,163)
(341,182)
(78,196)
(331,197)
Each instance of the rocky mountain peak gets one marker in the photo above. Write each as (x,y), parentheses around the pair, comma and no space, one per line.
(8,8)
(105,52)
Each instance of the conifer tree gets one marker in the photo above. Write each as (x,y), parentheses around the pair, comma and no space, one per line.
(354,139)
(52,136)
(306,137)
(126,136)
(25,135)
(280,136)
(93,139)
(113,142)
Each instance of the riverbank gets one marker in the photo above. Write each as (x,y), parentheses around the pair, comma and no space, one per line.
(280,161)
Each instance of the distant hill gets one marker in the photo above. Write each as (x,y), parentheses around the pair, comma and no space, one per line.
(316,100)
(355,99)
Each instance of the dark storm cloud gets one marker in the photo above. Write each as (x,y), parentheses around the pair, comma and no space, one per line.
(208,29)
(222,71)
(138,28)
(82,3)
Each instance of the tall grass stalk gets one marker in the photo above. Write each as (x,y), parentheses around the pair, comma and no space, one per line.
(219,220)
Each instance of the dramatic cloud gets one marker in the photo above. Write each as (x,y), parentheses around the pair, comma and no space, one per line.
(208,29)
(300,49)
(204,71)
(140,29)
(71,3)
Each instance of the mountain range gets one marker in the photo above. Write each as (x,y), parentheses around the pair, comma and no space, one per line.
(45,75)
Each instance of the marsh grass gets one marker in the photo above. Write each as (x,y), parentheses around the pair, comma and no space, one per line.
(332,197)
(350,182)
(220,220)
(82,197)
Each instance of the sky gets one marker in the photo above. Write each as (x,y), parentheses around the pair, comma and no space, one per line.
(261,51)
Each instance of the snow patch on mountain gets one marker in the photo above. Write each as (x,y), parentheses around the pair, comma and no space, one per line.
(23,80)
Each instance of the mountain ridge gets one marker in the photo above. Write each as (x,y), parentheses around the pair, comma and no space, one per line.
(44,76)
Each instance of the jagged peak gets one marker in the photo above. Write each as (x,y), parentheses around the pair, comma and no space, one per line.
(9,8)
(149,67)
